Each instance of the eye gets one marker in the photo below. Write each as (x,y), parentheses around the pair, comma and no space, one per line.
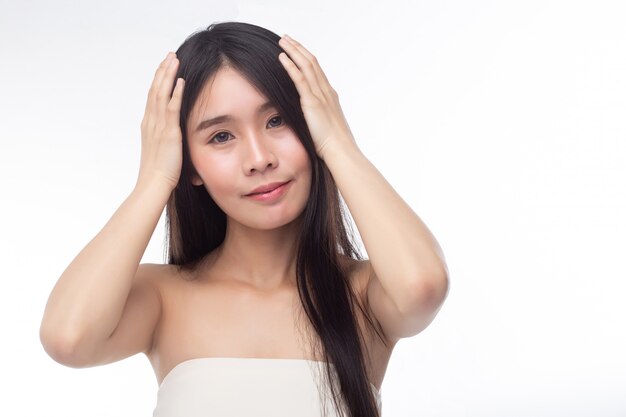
(220,135)
(277,117)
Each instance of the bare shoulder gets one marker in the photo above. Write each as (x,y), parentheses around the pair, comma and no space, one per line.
(379,346)
(158,276)
(161,270)
(357,272)
(134,332)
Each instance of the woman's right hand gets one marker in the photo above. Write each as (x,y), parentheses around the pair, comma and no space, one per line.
(161,137)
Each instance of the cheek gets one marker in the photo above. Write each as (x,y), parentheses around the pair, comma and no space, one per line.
(301,160)
(215,173)
(302,165)
(293,150)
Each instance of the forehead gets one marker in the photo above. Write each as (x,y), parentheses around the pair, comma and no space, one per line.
(227,92)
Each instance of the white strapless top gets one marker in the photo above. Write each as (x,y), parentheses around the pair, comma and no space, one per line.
(237,387)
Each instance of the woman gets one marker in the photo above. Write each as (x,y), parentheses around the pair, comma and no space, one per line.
(245,144)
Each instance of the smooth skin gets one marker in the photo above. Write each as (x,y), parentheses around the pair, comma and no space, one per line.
(87,302)
(233,157)
(161,138)
(104,308)
(408,276)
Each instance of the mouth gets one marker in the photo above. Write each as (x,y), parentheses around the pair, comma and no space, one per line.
(266,189)
(271,194)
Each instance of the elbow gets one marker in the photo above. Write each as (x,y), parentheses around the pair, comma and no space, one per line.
(428,292)
(61,349)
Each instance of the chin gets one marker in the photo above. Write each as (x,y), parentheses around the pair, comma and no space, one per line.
(263,221)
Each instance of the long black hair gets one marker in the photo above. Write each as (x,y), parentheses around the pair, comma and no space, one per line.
(196,225)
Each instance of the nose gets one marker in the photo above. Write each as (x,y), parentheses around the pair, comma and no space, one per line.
(259,156)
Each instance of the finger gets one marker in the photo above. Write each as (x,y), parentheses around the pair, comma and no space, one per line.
(296,75)
(319,73)
(164,92)
(304,64)
(173,107)
(152,92)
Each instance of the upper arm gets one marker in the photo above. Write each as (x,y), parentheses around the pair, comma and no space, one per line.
(397,324)
(135,330)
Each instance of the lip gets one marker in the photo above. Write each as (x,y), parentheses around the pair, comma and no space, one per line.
(267,187)
(273,195)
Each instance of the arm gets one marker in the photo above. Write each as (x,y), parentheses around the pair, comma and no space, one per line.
(104,286)
(408,277)
(403,253)
(86,304)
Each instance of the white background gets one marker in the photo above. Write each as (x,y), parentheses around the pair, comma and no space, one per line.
(500,123)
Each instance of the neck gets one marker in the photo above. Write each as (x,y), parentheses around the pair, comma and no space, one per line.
(265,259)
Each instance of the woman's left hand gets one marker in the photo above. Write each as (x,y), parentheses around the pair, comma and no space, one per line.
(319,101)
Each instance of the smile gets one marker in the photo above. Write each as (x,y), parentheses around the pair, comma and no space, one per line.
(272,195)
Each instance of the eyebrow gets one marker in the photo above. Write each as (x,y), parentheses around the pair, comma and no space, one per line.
(224,118)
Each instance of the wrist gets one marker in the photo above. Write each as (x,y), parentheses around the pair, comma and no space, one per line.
(153,185)
(339,149)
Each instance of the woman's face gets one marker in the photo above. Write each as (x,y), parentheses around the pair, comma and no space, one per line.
(247,146)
